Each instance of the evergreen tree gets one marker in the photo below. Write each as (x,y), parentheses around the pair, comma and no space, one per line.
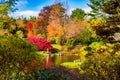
(106,26)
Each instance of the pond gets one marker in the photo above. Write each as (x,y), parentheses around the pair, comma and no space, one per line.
(56,60)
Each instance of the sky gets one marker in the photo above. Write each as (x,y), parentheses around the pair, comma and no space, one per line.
(27,8)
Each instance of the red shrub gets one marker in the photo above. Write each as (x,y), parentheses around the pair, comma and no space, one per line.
(43,45)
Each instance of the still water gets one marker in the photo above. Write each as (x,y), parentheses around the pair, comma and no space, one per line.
(56,60)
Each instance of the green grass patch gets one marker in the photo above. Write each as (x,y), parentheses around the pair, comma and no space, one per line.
(57,46)
(41,53)
(71,65)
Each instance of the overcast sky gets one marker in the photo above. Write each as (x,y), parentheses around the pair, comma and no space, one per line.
(28,8)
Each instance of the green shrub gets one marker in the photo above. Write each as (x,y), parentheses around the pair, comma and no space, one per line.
(87,37)
(97,44)
(75,42)
(15,55)
(83,54)
(103,65)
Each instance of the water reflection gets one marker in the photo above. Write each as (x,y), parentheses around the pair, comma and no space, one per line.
(55,60)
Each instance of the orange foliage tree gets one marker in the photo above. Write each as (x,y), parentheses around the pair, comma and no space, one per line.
(20,23)
(55,33)
(57,13)
(56,17)
(51,32)
(50,15)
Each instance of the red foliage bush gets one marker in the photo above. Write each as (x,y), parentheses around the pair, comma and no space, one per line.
(43,45)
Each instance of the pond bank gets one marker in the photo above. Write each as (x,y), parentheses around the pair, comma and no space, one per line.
(57,59)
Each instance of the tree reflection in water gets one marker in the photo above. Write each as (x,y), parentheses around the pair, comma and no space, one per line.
(56,60)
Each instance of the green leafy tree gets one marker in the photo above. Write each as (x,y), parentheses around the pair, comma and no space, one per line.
(78,14)
(5,8)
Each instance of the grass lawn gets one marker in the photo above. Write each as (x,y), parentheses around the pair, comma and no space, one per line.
(57,46)
(71,65)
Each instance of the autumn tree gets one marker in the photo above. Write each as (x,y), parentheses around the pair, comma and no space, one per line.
(59,31)
(73,30)
(51,15)
(55,34)
(31,28)
(43,20)
(51,33)
(20,23)
(57,14)
(20,27)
